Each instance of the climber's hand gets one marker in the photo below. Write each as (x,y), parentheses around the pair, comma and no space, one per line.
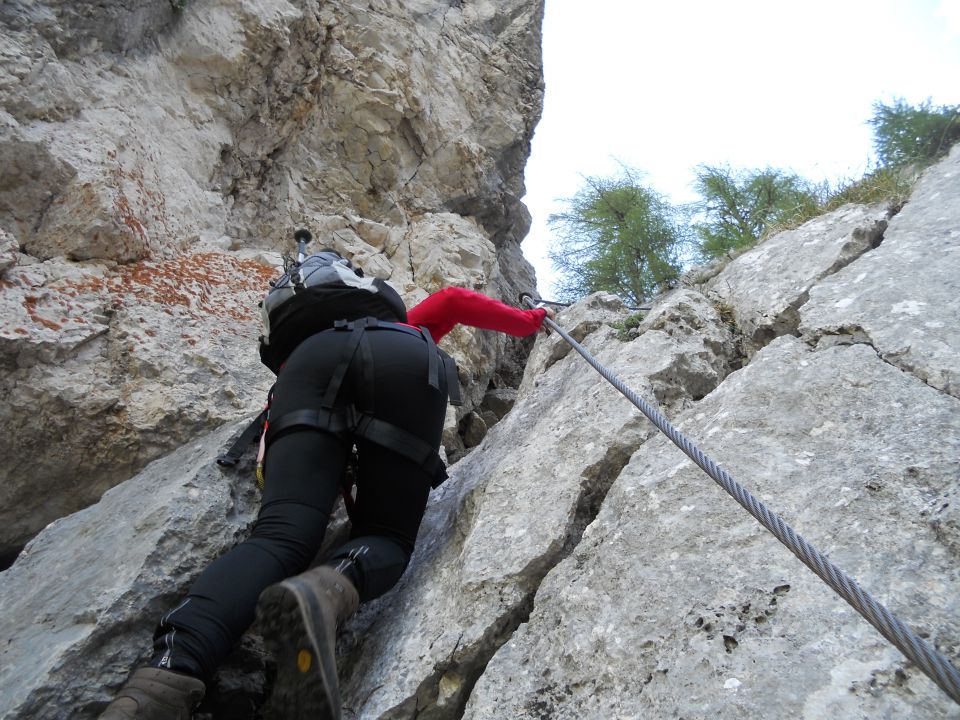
(551,313)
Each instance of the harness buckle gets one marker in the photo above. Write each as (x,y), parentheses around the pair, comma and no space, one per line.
(351,417)
(361,423)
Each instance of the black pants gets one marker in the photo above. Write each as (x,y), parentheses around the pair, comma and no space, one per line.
(303,473)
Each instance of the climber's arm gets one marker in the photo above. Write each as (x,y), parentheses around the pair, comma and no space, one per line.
(440,312)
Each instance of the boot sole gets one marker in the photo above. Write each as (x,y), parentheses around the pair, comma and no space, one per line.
(295,633)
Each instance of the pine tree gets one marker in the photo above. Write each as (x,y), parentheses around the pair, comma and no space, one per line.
(737,207)
(618,236)
(903,134)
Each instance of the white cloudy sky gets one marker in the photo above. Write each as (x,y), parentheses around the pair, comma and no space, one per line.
(664,86)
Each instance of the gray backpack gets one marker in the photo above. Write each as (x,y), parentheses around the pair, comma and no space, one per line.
(323,269)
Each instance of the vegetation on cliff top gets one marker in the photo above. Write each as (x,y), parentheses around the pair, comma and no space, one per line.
(621,236)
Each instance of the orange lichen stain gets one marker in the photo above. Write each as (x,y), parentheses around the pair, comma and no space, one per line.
(21,331)
(194,285)
(30,303)
(201,286)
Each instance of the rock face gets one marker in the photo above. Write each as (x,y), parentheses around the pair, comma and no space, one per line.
(155,156)
(677,604)
(128,559)
(577,564)
(764,289)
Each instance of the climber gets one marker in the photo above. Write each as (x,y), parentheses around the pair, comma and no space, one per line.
(355,368)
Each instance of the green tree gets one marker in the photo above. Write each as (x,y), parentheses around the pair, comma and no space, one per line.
(904,134)
(737,207)
(619,236)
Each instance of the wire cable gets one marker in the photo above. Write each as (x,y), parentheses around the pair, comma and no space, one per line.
(933,663)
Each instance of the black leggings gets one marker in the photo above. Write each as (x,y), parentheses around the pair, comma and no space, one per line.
(303,473)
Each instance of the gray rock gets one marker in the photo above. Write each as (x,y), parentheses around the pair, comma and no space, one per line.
(499,401)
(489,418)
(81,602)
(575,564)
(717,620)
(904,297)
(31,178)
(107,368)
(766,287)
(143,147)
(513,508)
(78,27)
(9,251)
(704,347)
(677,603)
(579,320)
(474,430)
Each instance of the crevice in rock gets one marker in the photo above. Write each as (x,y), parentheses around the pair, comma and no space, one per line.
(857,335)
(409,134)
(597,481)
(863,240)
(9,556)
(445,693)
(786,323)
(413,269)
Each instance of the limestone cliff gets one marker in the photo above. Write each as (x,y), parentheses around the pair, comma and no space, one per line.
(576,564)
(154,158)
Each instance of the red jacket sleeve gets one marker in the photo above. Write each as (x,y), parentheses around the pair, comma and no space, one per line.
(440,312)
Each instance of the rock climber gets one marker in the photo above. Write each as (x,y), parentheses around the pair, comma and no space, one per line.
(354,369)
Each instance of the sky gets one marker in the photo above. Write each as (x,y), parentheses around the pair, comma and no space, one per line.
(665,86)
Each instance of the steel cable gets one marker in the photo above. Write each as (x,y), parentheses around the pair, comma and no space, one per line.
(933,663)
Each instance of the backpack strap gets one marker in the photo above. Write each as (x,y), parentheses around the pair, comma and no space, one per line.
(433,356)
(453,379)
(252,432)
(346,359)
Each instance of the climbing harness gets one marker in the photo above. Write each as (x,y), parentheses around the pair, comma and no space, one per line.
(349,421)
(933,663)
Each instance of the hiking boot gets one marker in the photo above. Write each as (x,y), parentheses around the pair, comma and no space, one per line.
(155,694)
(299,619)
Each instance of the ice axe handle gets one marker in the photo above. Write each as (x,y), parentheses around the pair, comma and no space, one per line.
(303,238)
